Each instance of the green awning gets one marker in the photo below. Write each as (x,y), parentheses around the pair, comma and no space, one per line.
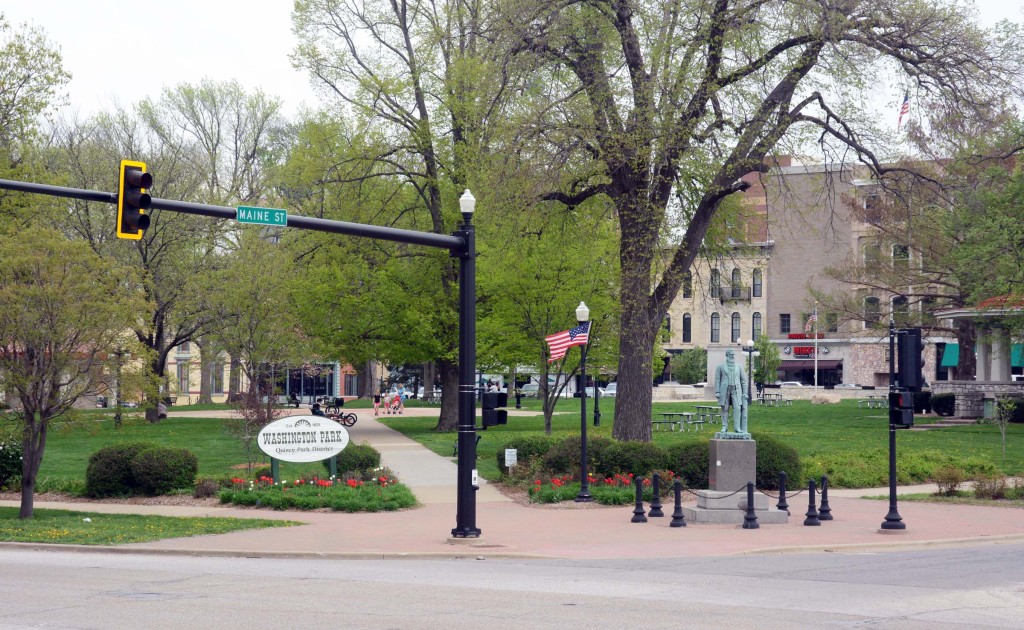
(951,355)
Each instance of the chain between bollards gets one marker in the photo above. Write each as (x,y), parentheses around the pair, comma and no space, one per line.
(812,511)
(638,511)
(824,512)
(656,499)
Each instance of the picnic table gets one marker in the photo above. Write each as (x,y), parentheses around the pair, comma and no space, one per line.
(671,419)
(774,400)
(873,402)
(707,413)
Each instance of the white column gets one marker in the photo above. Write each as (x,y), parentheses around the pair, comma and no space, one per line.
(984,360)
(1000,355)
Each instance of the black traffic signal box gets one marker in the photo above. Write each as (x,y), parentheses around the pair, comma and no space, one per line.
(493,414)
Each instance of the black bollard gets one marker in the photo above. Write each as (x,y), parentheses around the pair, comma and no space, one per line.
(782,505)
(678,520)
(812,512)
(750,518)
(825,512)
(638,511)
(656,500)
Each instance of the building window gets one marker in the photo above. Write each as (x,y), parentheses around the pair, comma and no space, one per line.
(872,208)
(757,283)
(687,285)
(352,385)
(900,310)
(735,337)
(755,326)
(687,328)
(871,255)
(871,311)
(784,323)
(716,325)
(183,380)
(900,257)
(217,378)
(184,348)
(736,281)
(716,283)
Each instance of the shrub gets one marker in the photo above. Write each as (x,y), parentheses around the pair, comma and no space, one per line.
(990,487)
(109,473)
(638,458)
(943,404)
(260,471)
(206,488)
(10,461)
(528,448)
(689,461)
(356,458)
(774,456)
(160,470)
(564,456)
(948,479)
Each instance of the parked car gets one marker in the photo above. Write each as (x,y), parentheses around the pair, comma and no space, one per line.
(847,386)
(789,384)
(701,384)
(590,391)
(611,390)
(435,393)
(530,389)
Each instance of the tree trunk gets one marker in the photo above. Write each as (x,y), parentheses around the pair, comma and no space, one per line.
(33,443)
(368,377)
(205,372)
(967,364)
(152,413)
(449,419)
(234,380)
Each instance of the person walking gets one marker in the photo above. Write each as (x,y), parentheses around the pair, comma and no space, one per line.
(376,404)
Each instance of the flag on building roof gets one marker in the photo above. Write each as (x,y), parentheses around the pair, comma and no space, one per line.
(559,343)
(904,109)
(809,326)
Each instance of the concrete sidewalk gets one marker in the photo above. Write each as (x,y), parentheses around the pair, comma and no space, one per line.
(564,531)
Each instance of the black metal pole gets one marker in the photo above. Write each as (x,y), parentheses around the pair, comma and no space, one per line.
(892,519)
(465,516)
(584,494)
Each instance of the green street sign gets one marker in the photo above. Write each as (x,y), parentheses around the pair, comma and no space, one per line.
(262,216)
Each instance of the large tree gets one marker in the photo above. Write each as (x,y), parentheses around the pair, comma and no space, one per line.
(63,312)
(652,104)
(416,80)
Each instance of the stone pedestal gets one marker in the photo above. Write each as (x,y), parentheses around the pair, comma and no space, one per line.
(733,463)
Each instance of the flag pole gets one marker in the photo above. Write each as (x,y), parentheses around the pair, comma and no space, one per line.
(815,345)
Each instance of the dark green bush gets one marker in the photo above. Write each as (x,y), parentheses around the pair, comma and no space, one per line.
(943,404)
(160,470)
(564,456)
(774,456)
(1017,415)
(528,448)
(109,473)
(10,461)
(689,461)
(638,458)
(356,458)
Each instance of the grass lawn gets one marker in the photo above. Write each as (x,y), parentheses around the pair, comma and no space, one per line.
(810,429)
(67,527)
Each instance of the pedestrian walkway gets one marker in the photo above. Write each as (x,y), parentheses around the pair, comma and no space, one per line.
(564,531)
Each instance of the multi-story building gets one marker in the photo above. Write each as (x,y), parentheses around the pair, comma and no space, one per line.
(801,221)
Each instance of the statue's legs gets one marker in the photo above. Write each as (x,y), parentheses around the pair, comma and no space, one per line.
(725,419)
(743,419)
(737,414)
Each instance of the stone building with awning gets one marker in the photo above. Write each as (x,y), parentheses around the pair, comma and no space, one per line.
(1000,362)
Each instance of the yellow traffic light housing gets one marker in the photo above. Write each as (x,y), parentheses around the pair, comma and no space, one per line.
(133,200)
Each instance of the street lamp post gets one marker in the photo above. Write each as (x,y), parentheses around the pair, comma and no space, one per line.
(465,516)
(583,316)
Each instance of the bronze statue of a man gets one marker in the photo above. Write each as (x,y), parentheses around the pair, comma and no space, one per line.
(731,390)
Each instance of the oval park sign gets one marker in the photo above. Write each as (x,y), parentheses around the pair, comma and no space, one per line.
(303,439)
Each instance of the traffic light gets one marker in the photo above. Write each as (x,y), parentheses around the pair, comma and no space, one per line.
(901,408)
(133,200)
(911,360)
(492,414)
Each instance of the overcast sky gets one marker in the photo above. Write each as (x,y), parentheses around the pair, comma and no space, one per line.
(188,40)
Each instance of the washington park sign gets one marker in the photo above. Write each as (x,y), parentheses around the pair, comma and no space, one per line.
(303,439)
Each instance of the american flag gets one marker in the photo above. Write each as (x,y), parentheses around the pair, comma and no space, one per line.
(809,326)
(559,343)
(904,109)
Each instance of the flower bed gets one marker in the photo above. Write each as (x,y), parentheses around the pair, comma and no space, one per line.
(615,490)
(379,494)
